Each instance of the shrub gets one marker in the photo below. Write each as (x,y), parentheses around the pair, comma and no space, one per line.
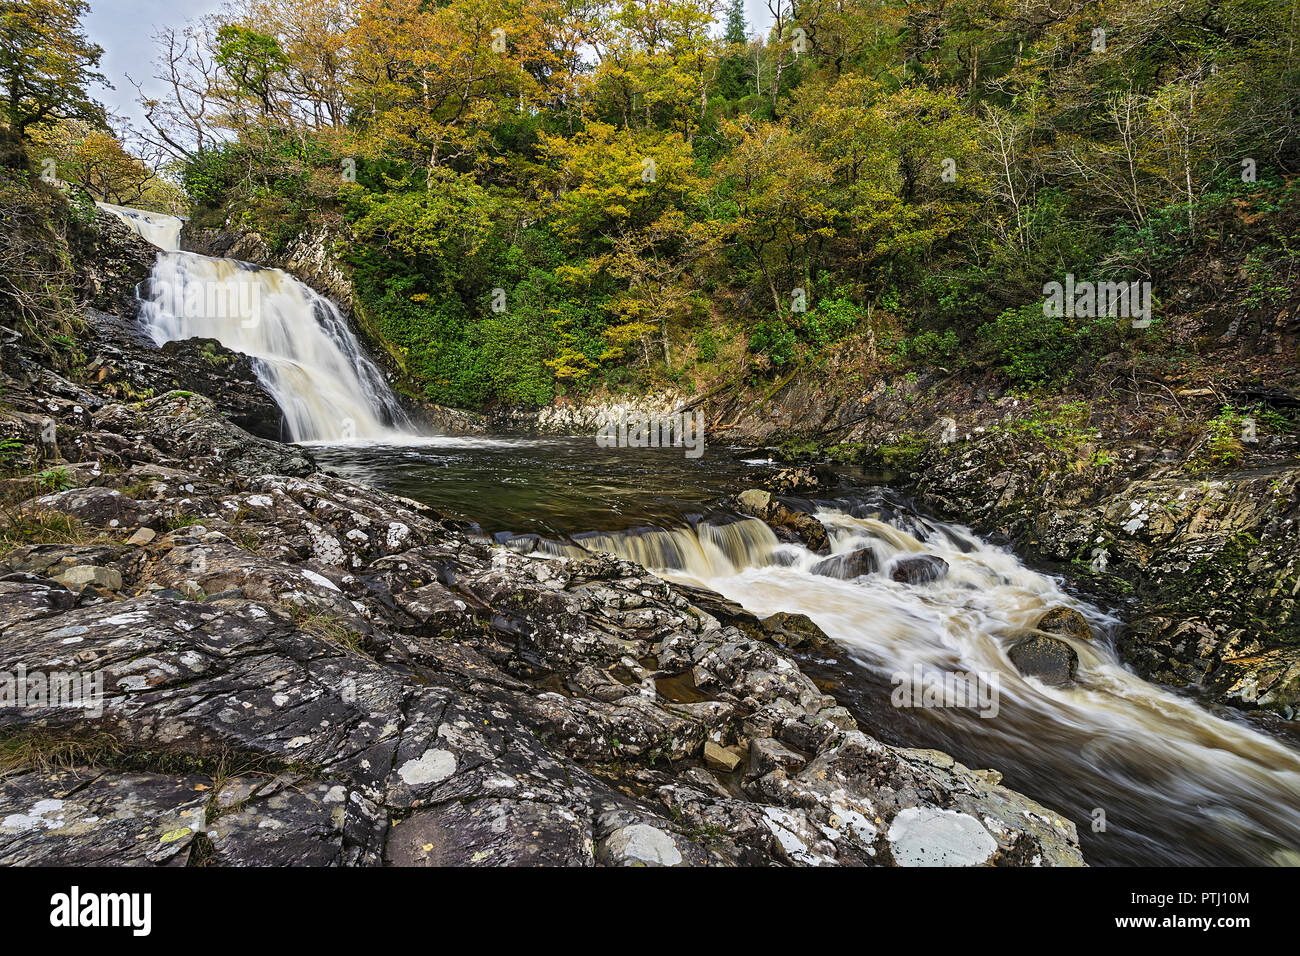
(1030,347)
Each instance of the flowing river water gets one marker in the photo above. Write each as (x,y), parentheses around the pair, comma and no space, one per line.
(1150,775)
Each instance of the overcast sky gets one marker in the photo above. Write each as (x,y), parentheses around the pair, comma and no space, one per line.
(125,29)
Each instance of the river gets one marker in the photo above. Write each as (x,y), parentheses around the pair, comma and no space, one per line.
(1149,775)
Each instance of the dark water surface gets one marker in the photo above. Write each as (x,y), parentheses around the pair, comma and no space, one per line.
(551,486)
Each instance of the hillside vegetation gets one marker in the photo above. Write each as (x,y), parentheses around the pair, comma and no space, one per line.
(551,198)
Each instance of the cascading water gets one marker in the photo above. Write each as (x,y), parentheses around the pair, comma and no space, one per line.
(302,349)
(162,230)
(1173,783)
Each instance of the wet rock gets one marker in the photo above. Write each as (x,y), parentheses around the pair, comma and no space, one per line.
(411,695)
(1213,556)
(789,525)
(919,569)
(1050,660)
(1269,680)
(1065,621)
(795,631)
(111,260)
(846,567)
(799,526)
(128,364)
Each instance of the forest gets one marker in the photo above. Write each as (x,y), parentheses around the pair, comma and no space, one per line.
(545,198)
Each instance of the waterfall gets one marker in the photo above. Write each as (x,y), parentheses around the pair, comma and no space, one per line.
(301,346)
(708,549)
(162,230)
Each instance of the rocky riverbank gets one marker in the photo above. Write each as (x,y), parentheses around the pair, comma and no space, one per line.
(297,669)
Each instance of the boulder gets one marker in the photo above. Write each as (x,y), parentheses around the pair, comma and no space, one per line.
(767,754)
(721,758)
(846,567)
(88,575)
(1049,659)
(799,526)
(789,525)
(1065,621)
(919,569)
(795,631)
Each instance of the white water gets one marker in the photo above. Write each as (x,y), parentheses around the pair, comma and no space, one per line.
(162,230)
(301,346)
(1177,783)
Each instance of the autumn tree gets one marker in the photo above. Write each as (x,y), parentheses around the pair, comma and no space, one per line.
(95,160)
(47,64)
(770,199)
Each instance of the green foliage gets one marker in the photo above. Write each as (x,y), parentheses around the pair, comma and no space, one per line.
(706,345)
(933,348)
(1033,349)
(831,321)
(1060,427)
(11,452)
(47,64)
(612,200)
(775,340)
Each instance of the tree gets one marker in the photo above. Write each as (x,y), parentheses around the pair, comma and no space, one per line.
(96,161)
(771,194)
(183,123)
(734,73)
(47,63)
